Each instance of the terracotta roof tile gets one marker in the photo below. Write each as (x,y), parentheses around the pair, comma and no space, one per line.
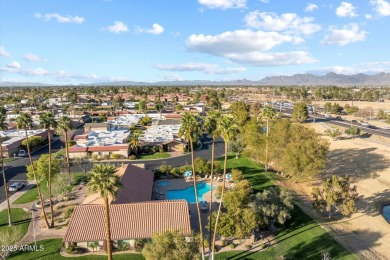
(128,221)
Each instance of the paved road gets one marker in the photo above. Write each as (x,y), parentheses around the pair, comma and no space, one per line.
(16,170)
(343,123)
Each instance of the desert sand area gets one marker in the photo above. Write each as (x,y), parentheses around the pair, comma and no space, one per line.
(375,106)
(366,232)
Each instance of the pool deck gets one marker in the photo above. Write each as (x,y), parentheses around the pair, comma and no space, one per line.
(181,183)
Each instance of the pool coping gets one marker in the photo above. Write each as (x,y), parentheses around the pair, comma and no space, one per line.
(381,211)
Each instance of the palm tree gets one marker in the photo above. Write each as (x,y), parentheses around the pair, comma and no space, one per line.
(4,126)
(227,130)
(267,113)
(25,121)
(104,181)
(134,140)
(191,131)
(210,126)
(65,124)
(47,121)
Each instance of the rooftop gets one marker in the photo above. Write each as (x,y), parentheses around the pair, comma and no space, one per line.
(128,221)
(102,138)
(160,133)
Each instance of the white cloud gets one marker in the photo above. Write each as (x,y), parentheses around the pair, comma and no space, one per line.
(64,76)
(377,63)
(264,1)
(156,29)
(117,27)
(382,7)
(4,52)
(311,7)
(345,10)
(368,16)
(342,36)
(272,59)
(172,77)
(239,41)
(33,72)
(205,67)
(223,4)
(31,57)
(60,18)
(14,65)
(247,47)
(287,22)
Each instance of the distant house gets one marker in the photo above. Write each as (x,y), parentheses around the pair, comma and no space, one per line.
(96,126)
(133,214)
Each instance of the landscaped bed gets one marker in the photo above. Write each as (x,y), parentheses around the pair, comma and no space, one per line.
(52,249)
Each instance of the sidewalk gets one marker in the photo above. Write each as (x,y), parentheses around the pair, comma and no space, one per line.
(16,195)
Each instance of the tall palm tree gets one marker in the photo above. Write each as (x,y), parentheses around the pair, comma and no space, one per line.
(25,121)
(64,124)
(4,126)
(227,130)
(48,121)
(134,140)
(104,181)
(267,113)
(191,131)
(210,126)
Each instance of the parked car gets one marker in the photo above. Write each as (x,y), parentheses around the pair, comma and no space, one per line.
(16,186)
(353,121)
(22,153)
(385,127)
(365,124)
(338,118)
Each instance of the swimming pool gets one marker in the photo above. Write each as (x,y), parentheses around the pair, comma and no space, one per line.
(163,183)
(189,193)
(386,213)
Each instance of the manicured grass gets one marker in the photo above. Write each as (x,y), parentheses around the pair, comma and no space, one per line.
(153,156)
(6,160)
(32,194)
(20,219)
(253,172)
(300,238)
(52,249)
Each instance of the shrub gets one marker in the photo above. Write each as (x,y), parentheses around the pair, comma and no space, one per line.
(68,212)
(123,246)
(132,157)
(224,242)
(160,149)
(95,157)
(232,246)
(116,156)
(139,244)
(72,249)
(106,156)
(247,247)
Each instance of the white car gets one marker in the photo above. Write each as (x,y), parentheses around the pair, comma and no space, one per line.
(365,124)
(22,153)
(385,127)
(16,186)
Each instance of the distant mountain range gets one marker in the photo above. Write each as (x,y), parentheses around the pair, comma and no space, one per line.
(380,79)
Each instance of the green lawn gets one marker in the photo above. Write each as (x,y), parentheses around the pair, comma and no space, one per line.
(153,156)
(253,172)
(300,238)
(6,160)
(20,219)
(32,194)
(52,252)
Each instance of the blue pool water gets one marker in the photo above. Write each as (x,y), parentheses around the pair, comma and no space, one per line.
(386,213)
(189,193)
(163,183)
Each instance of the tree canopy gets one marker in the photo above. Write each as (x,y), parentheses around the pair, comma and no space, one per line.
(171,245)
(300,112)
(240,112)
(336,196)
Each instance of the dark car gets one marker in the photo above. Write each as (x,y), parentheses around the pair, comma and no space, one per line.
(338,118)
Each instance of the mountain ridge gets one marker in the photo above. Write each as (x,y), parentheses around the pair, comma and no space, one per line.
(305,79)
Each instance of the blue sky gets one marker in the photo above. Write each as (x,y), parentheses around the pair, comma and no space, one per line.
(73,41)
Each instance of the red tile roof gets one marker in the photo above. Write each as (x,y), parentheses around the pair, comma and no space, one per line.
(128,221)
(137,185)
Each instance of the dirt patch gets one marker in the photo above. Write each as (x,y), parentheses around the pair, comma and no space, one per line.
(366,233)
